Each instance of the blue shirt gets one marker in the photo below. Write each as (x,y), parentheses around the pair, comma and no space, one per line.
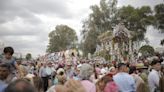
(125,82)
(3,85)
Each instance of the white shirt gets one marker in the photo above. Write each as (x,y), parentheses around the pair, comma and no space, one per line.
(153,80)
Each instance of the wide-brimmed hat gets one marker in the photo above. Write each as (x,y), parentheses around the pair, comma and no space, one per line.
(141,66)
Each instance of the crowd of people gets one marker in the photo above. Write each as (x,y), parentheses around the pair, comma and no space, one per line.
(143,75)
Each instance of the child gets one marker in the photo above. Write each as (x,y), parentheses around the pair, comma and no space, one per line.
(7,58)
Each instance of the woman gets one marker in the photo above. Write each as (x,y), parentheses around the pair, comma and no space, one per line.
(60,78)
(86,71)
(106,84)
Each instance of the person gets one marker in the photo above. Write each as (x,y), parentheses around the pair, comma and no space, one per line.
(38,84)
(70,86)
(98,70)
(138,80)
(7,58)
(154,76)
(4,73)
(124,81)
(75,86)
(86,71)
(112,70)
(57,88)
(49,72)
(20,85)
(22,70)
(74,59)
(106,84)
(43,74)
(142,71)
(61,76)
(36,81)
(70,71)
(31,68)
(161,82)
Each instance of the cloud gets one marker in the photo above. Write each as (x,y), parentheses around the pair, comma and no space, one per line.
(25,24)
(154,36)
(10,9)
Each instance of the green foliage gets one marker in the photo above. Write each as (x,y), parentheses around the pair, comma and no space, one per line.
(100,20)
(106,16)
(159,13)
(62,38)
(136,19)
(28,56)
(146,50)
(89,45)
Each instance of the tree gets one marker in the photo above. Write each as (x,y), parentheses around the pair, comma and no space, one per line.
(28,56)
(136,20)
(146,50)
(100,20)
(62,38)
(159,13)
(89,45)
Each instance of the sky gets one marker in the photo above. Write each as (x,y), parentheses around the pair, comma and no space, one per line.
(25,24)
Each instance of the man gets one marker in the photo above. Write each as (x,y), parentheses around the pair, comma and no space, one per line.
(4,73)
(154,76)
(124,81)
(8,59)
(20,86)
(69,71)
(22,70)
(43,74)
(140,84)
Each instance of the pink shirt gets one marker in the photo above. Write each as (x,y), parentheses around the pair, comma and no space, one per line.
(89,86)
(98,70)
(111,87)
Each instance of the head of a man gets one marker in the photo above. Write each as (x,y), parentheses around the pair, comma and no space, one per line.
(20,86)
(19,62)
(4,71)
(132,69)
(122,67)
(8,52)
(86,71)
(156,64)
(69,65)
